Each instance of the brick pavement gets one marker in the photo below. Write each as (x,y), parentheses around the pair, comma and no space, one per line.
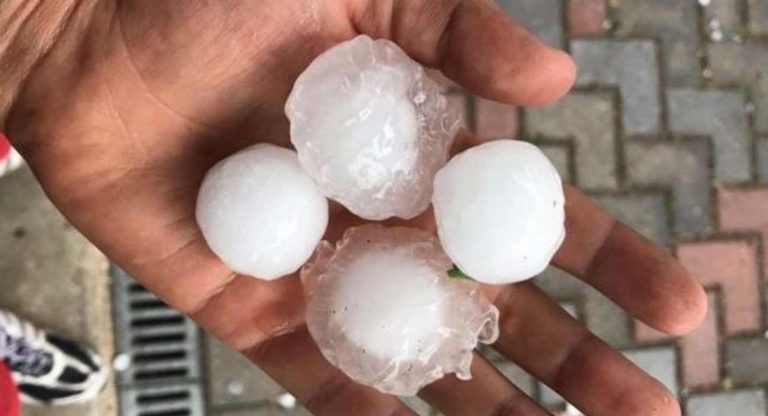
(668,129)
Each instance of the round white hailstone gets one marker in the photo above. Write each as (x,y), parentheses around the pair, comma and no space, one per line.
(500,211)
(260,212)
(383,309)
(371,128)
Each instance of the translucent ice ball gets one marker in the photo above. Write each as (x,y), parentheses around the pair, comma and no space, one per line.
(382,309)
(500,211)
(371,128)
(260,212)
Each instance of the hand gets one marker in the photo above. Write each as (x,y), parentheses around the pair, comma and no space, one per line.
(137,99)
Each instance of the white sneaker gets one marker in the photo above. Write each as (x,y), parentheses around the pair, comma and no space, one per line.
(48,369)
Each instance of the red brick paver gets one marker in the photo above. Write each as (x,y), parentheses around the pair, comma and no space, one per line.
(731,265)
(586,17)
(700,352)
(745,210)
(495,120)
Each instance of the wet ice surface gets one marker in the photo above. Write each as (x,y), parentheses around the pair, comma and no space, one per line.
(382,309)
(500,211)
(260,212)
(371,128)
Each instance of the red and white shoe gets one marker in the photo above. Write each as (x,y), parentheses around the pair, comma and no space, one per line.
(10,159)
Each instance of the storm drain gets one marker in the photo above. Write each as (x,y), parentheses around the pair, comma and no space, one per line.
(179,400)
(157,358)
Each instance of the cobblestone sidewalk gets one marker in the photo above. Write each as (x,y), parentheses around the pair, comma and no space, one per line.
(668,128)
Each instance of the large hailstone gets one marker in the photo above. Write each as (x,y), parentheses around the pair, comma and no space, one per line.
(371,128)
(260,212)
(500,211)
(382,309)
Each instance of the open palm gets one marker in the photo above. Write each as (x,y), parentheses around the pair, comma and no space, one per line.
(138,98)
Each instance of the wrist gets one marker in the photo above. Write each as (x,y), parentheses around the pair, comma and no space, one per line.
(31,28)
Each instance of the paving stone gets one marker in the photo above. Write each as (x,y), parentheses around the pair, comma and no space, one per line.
(550,398)
(675,23)
(587,119)
(734,272)
(587,17)
(762,159)
(542,17)
(495,120)
(262,410)
(735,403)
(719,115)
(644,211)
(419,406)
(700,351)
(724,17)
(560,156)
(743,210)
(234,379)
(747,360)
(603,317)
(758,16)
(659,362)
(632,66)
(52,276)
(682,166)
(517,376)
(743,64)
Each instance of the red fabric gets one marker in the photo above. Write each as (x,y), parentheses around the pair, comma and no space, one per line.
(5,147)
(9,396)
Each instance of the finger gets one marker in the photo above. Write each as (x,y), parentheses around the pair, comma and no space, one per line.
(295,362)
(487,393)
(628,268)
(555,348)
(474,42)
(264,320)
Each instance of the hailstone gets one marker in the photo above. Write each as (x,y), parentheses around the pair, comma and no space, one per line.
(500,211)
(371,128)
(260,212)
(382,308)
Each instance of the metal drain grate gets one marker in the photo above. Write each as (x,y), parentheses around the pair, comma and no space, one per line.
(158,357)
(180,400)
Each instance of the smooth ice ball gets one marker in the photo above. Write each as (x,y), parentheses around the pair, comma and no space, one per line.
(500,211)
(260,212)
(371,128)
(383,309)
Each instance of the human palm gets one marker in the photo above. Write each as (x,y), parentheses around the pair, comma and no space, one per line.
(137,99)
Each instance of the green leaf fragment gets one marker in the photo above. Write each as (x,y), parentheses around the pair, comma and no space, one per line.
(456,273)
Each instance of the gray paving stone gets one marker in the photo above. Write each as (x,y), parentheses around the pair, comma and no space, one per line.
(560,157)
(762,159)
(731,403)
(632,66)
(419,406)
(758,16)
(603,317)
(517,376)
(262,410)
(746,65)
(542,17)
(682,166)
(747,360)
(719,115)
(51,275)
(659,362)
(588,120)
(725,16)
(233,379)
(675,23)
(547,396)
(646,212)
